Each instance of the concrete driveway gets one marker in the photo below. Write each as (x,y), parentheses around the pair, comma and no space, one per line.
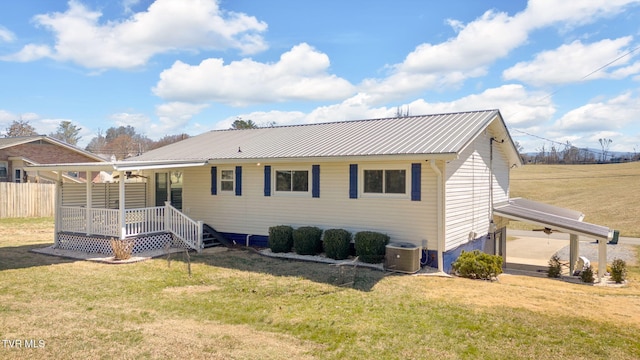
(534,249)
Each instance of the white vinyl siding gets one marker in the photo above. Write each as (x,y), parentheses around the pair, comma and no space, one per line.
(468,192)
(253,213)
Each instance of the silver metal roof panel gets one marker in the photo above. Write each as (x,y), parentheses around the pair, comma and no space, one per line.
(417,135)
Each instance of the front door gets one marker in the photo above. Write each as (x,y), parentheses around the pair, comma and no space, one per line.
(176,189)
(169,186)
(162,189)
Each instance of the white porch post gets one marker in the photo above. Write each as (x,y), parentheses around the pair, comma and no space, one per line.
(602,257)
(167,216)
(574,251)
(58,213)
(121,200)
(89,194)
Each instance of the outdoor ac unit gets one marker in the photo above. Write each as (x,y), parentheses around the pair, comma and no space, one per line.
(402,257)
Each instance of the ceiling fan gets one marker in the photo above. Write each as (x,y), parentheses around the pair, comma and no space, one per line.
(130,175)
(546,230)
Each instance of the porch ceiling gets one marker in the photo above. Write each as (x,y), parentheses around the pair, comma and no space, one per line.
(556,218)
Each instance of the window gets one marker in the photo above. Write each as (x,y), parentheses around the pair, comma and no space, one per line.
(226,180)
(3,169)
(292,180)
(385,181)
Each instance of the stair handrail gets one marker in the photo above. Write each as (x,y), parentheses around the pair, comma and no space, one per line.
(184,228)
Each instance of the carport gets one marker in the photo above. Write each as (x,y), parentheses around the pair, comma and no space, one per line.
(554,218)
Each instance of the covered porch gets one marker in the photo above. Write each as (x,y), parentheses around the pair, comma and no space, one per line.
(90,214)
(556,219)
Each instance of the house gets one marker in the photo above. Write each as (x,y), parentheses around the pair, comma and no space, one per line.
(17,153)
(431,180)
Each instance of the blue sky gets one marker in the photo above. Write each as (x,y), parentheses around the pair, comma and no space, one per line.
(558,70)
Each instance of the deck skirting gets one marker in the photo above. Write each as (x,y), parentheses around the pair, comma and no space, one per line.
(102,244)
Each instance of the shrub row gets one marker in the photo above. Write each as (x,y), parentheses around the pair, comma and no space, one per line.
(307,240)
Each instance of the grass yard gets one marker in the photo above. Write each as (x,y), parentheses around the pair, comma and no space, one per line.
(239,305)
(607,194)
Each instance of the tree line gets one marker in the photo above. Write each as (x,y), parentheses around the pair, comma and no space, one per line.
(557,153)
(121,141)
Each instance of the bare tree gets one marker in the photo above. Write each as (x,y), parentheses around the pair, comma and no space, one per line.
(605,143)
(20,128)
(402,112)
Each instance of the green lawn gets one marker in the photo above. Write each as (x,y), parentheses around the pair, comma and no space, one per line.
(240,305)
(607,194)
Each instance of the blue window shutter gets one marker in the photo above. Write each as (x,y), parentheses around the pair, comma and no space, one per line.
(353,181)
(315,181)
(416,172)
(267,180)
(238,180)
(214,180)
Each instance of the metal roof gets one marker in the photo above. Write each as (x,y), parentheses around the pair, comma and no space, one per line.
(553,217)
(440,134)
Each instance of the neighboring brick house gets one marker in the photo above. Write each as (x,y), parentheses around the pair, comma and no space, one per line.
(18,152)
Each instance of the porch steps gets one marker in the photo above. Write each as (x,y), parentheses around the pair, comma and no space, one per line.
(211,238)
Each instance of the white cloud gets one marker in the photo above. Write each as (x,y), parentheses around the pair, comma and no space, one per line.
(570,63)
(479,43)
(611,115)
(28,53)
(167,25)
(173,117)
(300,74)
(6,35)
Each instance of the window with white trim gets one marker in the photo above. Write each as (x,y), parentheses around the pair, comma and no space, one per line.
(4,170)
(227,180)
(292,181)
(385,181)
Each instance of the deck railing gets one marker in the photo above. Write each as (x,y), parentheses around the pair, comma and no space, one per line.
(184,228)
(139,221)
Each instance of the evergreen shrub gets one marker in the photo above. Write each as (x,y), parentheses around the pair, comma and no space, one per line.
(586,275)
(371,246)
(336,243)
(477,265)
(307,240)
(280,238)
(618,270)
(555,268)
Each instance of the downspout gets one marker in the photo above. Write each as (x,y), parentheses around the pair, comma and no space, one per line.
(441,214)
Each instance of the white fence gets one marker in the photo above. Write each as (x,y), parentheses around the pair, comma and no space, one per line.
(27,200)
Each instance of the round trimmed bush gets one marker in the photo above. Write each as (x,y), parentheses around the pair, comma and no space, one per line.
(307,240)
(477,265)
(371,246)
(336,243)
(280,238)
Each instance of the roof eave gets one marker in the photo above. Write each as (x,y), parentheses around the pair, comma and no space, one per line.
(351,158)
